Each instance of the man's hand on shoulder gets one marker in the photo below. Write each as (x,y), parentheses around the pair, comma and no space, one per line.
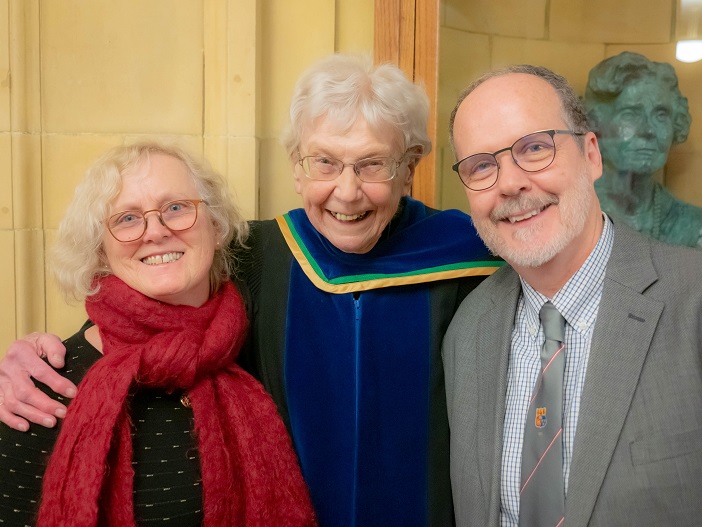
(20,400)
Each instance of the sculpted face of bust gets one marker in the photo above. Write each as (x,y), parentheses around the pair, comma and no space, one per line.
(636,129)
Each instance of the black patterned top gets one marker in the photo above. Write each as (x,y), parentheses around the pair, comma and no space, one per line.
(167,482)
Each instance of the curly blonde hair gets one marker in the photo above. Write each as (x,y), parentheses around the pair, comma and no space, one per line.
(77,258)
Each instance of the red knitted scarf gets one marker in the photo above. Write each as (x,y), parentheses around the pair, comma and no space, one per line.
(250,475)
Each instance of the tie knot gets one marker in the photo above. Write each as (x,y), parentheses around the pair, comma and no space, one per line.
(553,322)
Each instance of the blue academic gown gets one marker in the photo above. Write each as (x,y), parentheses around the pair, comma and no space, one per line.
(349,347)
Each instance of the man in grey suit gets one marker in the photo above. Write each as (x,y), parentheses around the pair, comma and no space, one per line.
(628,415)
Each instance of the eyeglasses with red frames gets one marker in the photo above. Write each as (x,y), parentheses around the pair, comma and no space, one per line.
(130,225)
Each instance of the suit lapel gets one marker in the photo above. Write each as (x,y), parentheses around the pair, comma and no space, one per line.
(493,340)
(625,324)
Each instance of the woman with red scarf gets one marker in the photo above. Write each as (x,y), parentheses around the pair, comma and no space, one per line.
(165,427)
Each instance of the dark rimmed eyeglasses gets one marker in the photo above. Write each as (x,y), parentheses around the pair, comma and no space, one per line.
(531,153)
(130,225)
(370,170)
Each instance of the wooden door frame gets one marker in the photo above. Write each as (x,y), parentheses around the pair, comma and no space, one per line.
(406,33)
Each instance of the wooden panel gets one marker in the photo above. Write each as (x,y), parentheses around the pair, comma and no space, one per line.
(407,34)
(426,71)
(386,34)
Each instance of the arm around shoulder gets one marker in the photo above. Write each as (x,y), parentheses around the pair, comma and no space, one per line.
(20,400)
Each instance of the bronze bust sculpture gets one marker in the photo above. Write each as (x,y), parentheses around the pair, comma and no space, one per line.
(636,109)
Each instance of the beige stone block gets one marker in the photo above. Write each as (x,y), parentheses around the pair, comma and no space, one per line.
(683,176)
(65,159)
(232,68)
(4,67)
(216,75)
(354,26)
(25,63)
(276,190)
(29,280)
(215,151)
(63,318)
(512,18)
(463,57)
(572,60)
(296,34)
(26,181)
(8,327)
(237,159)
(243,83)
(623,21)
(6,206)
(242,174)
(121,67)
(655,52)
(191,143)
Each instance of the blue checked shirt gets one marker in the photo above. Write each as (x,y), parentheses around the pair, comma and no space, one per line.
(578,302)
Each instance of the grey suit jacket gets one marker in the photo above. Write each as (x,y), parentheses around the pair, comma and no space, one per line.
(637,456)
